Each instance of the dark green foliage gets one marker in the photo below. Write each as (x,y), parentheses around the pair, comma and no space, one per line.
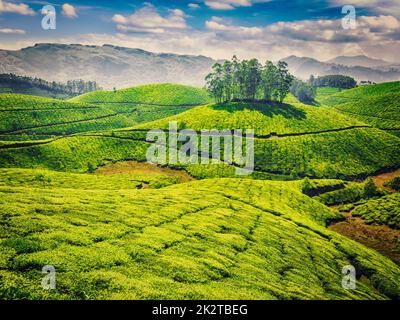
(370,189)
(336,81)
(248,80)
(394,184)
(35,86)
(350,192)
(385,210)
(303,91)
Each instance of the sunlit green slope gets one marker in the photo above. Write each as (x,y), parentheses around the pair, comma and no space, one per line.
(31,115)
(210,239)
(159,94)
(362,92)
(34,116)
(290,117)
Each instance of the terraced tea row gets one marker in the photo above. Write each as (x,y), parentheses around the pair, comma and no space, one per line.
(263,118)
(158,94)
(211,239)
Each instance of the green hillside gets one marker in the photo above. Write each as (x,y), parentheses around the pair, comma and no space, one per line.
(36,178)
(160,94)
(381,111)
(360,93)
(33,116)
(211,239)
(292,140)
(71,197)
(17,102)
(324,92)
(36,115)
(290,117)
(385,210)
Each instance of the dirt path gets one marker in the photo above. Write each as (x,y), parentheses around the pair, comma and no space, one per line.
(381,179)
(381,238)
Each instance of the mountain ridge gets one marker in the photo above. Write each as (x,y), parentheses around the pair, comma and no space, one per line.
(121,67)
(304,67)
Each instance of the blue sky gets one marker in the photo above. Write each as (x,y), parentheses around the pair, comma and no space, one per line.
(262,28)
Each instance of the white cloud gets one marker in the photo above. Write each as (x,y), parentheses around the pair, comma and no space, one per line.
(320,39)
(12,31)
(369,28)
(193,6)
(391,7)
(16,8)
(231,4)
(149,20)
(217,24)
(68,11)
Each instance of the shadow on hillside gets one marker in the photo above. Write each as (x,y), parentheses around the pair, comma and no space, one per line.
(269,109)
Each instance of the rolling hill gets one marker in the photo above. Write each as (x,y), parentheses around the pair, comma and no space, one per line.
(211,239)
(37,116)
(292,140)
(295,139)
(116,233)
(359,68)
(376,105)
(166,94)
(362,92)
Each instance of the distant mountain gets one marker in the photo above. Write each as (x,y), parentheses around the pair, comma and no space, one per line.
(112,66)
(109,65)
(360,61)
(303,67)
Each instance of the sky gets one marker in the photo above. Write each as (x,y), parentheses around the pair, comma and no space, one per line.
(264,29)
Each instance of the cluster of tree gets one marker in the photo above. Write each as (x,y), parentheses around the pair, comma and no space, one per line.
(73,87)
(304,92)
(366,82)
(248,80)
(80,86)
(336,81)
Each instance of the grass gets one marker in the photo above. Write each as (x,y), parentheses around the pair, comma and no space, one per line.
(210,239)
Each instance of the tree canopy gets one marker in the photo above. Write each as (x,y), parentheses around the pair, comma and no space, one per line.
(248,80)
(71,88)
(303,91)
(336,81)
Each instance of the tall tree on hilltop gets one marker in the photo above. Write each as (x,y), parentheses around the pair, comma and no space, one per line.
(269,80)
(284,80)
